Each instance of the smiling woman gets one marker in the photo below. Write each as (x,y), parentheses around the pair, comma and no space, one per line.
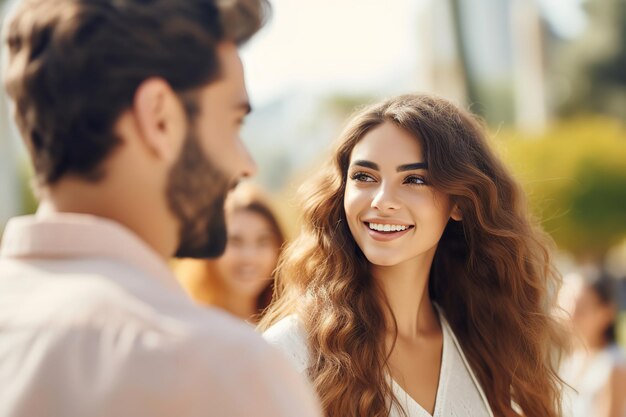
(388,196)
(240,281)
(419,285)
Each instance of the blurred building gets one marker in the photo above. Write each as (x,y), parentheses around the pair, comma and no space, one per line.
(500,45)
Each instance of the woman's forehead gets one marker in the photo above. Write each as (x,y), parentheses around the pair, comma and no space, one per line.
(388,143)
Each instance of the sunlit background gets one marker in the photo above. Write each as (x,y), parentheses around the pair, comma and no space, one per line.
(548,76)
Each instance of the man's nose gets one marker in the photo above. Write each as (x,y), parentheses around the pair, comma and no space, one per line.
(248,165)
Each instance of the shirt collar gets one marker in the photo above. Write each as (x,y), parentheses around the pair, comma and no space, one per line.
(72,235)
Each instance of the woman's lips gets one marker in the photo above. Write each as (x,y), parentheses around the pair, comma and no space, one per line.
(385,236)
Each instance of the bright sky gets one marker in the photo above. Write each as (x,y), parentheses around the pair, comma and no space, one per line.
(566,17)
(353,45)
(330,44)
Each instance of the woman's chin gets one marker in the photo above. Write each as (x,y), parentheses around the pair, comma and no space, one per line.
(249,288)
(382,260)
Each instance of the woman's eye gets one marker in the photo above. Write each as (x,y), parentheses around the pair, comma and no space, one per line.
(362,177)
(264,241)
(414,179)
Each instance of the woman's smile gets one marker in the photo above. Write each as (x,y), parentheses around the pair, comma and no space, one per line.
(384,231)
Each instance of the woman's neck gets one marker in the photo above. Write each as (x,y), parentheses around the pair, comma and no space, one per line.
(405,287)
(242,307)
(595,343)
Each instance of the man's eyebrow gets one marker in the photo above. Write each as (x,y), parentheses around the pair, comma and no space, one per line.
(411,167)
(366,164)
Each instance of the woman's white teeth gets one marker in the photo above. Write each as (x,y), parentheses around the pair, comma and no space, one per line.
(387,227)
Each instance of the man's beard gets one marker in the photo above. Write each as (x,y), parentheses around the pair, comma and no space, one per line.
(196,192)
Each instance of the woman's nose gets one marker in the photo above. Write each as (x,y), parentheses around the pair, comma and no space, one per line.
(385,198)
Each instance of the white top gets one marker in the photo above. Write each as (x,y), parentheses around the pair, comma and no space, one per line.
(587,377)
(458,395)
(92,323)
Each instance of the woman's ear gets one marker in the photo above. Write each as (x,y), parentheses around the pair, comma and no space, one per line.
(456,213)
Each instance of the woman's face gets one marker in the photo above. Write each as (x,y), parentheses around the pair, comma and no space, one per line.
(591,317)
(393,213)
(251,253)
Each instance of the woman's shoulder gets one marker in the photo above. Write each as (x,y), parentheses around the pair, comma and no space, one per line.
(289,336)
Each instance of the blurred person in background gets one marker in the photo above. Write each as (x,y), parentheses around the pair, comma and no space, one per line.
(131,112)
(596,369)
(420,284)
(240,281)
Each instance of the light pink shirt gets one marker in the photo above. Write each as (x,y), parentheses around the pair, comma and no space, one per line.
(92,323)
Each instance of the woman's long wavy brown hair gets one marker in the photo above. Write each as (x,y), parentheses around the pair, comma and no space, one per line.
(492,274)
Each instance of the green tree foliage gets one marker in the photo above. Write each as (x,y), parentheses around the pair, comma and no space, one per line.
(27,195)
(575,176)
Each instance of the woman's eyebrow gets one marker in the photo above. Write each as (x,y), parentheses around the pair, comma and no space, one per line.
(366,164)
(401,168)
(411,167)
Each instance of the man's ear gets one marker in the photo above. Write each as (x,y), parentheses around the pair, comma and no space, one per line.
(456,213)
(160,118)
